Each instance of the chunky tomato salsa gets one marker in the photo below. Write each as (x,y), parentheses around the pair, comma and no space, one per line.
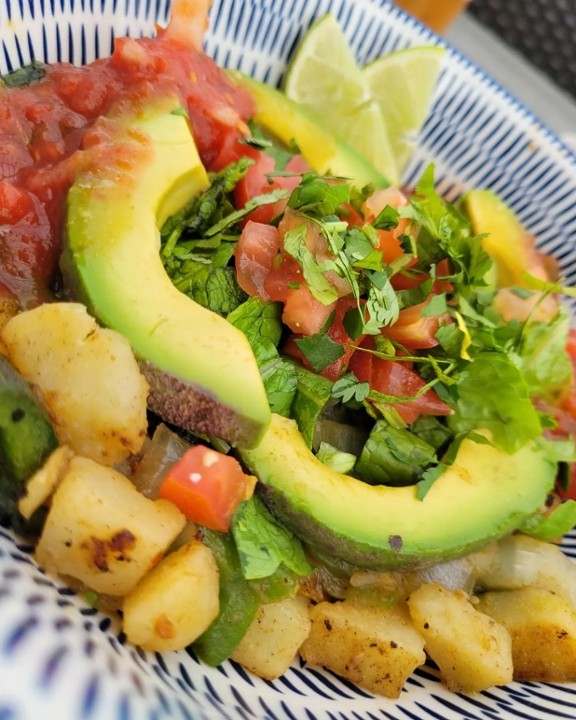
(48,128)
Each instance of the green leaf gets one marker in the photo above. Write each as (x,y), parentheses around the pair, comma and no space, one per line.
(320,351)
(429,477)
(280,382)
(387,218)
(349,388)
(382,303)
(264,544)
(436,305)
(313,271)
(258,320)
(394,456)
(214,288)
(314,195)
(199,214)
(261,323)
(312,394)
(545,363)
(558,523)
(492,394)
(335,459)
(26,75)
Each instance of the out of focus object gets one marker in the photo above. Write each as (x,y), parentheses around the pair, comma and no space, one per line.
(437,14)
(541,30)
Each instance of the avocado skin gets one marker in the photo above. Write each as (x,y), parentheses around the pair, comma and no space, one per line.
(290,123)
(201,370)
(202,412)
(483,496)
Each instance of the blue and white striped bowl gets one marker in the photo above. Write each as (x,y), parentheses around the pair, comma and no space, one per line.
(60,658)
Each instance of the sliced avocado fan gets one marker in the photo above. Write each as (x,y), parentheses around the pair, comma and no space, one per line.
(201,369)
(484,495)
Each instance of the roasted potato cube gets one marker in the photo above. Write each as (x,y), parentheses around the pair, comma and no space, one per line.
(175,602)
(87,377)
(542,625)
(471,649)
(520,561)
(272,640)
(374,647)
(101,531)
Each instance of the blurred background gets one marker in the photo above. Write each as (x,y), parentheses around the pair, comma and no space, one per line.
(527,45)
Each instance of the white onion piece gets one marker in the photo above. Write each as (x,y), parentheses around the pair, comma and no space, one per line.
(160,453)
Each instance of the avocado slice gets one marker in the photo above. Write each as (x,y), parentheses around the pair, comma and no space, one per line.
(290,123)
(484,495)
(505,239)
(201,369)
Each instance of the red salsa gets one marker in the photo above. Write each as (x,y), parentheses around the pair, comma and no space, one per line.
(43,130)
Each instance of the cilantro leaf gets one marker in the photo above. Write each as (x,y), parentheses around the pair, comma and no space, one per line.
(261,323)
(349,388)
(545,363)
(387,218)
(264,544)
(320,350)
(394,456)
(492,394)
(429,477)
(315,196)
(313,271)
(312,394)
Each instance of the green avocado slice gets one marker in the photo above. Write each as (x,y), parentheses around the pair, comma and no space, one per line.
(290,123)
(484,495)
(201,369)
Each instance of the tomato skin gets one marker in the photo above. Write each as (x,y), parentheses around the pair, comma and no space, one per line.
(207,486)
(303,313)
(335,332)
(260,179)
(254,253)
(394,377)
(413,330)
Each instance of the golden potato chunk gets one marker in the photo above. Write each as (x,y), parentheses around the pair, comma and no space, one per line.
(374,647)
(272,640)
(175,602)
(87,377)
(542,625)
(101,531)
(519,561)
(471,649)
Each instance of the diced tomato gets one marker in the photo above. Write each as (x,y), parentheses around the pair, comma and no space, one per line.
(285,276)
(261,179)
(337,333)
(413,330)
(303,313)
(394,377)
(207,486)
(255,251)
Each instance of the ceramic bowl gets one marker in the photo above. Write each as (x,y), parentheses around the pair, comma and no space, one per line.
(59,657)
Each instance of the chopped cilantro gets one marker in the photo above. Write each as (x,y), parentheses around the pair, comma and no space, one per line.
(320,350)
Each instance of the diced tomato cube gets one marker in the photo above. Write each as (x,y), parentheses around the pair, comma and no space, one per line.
(207,486)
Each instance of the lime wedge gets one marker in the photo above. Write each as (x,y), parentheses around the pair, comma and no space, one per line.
(324,77)
(403,84)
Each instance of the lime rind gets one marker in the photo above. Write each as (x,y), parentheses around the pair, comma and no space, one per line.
(403,85)
(324,77)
